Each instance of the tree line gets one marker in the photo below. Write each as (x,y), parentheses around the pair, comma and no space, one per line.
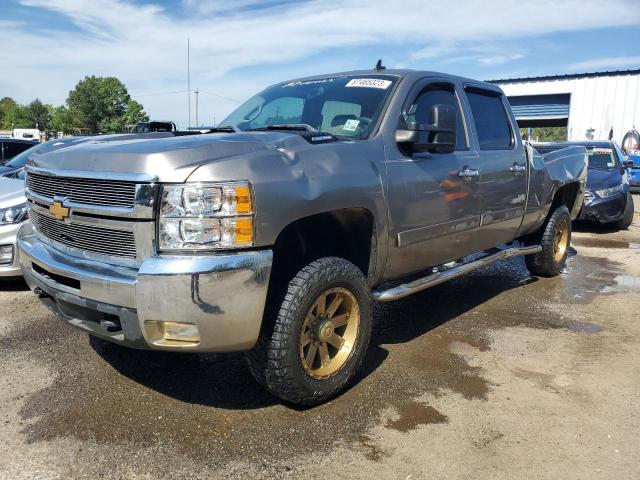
(98,104)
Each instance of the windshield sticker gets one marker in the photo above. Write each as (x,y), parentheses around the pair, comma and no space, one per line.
(308,82)
(369,83)
(601,151)
(351,125)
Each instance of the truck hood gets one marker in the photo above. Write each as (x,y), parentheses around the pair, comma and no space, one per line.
(11,192)
(171,159)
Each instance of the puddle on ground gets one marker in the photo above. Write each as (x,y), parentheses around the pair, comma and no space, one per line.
(623,283)
(594,242)
(411,415)
(583,327)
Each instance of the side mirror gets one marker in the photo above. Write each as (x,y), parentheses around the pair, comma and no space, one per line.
(438,136)
(627,163)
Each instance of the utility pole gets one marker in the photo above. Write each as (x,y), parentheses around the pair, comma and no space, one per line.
(196,92)
(189,81)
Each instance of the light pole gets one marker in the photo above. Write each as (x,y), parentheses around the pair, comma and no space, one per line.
(196,92)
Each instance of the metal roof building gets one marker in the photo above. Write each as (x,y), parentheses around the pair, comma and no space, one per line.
(588,104)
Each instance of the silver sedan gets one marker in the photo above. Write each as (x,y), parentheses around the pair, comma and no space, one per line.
(13,213)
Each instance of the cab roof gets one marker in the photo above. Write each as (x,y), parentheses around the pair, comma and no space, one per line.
(402,73)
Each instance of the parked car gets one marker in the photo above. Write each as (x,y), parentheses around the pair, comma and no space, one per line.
(10,147)
(13,213)
(14,168)
(607,198)
(634,171)
(274,234)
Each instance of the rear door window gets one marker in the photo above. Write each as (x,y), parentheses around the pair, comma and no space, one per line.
(490,118)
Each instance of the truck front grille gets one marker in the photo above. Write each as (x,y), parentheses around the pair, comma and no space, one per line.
(106,241)
(89,191)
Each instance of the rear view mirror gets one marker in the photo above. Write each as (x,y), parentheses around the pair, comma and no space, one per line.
(438,136)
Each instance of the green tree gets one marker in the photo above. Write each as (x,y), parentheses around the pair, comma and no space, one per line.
(135,113)
(546,134)
(39,115)
(63,120)
(8,108)
(103,104)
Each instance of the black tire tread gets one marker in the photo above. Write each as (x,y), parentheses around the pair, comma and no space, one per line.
(543,264)
(269,360)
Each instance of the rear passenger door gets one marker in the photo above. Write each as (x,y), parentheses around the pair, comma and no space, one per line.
(502,163)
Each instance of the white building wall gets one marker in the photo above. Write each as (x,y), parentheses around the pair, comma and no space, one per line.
(598,102)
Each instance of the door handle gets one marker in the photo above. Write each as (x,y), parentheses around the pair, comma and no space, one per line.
(468,173)
(517,169)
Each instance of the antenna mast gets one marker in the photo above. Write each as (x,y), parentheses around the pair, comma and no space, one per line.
(189,81)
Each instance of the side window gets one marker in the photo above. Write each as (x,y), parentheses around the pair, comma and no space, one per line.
(420,110)
(490,118)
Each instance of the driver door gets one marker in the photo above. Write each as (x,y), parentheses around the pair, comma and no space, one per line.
(433,198)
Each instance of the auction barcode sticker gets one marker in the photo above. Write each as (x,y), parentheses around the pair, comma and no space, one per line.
(369,83)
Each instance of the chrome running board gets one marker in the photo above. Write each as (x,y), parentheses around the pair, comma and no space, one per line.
(406,289)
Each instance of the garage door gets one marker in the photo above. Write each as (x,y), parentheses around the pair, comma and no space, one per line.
(541,109)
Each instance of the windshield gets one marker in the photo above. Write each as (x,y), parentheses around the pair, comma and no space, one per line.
(601,159)
(347,107)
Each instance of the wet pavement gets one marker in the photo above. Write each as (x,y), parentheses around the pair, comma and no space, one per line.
(489,359)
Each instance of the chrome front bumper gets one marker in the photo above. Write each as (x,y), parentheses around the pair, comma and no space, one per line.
(224,295)
(8,235)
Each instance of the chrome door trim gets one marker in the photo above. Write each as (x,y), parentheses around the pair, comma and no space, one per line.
(420,234)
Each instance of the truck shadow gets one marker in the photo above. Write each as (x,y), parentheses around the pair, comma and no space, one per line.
(593,227)
(13,284)
(224,380)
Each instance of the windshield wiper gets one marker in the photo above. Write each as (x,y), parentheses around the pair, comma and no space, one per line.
(224,129)
(285,126)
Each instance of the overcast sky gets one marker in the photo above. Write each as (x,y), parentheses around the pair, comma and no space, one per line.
(239,47)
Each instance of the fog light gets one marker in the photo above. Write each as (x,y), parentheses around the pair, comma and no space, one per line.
(6,255)
(180,332)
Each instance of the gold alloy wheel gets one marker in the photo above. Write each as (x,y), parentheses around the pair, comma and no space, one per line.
(561,242)
(329,332)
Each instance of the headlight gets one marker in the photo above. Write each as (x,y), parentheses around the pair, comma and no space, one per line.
(588,196)
(206,216)
(14,214)
(608,192)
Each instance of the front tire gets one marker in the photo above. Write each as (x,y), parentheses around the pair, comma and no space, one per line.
(555,242)
(320,334)
(625,222)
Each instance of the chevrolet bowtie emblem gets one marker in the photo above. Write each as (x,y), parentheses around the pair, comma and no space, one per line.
(58,211)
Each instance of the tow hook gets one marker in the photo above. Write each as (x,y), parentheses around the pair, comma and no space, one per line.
(41,293)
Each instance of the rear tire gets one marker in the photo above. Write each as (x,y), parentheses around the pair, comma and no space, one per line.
(625,222)
(320,334)
(555,242)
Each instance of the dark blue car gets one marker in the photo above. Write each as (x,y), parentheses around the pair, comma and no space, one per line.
(607,198)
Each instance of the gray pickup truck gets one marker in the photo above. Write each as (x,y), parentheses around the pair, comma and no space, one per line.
(274,233)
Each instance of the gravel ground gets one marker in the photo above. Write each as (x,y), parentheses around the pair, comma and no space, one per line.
(495,375)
